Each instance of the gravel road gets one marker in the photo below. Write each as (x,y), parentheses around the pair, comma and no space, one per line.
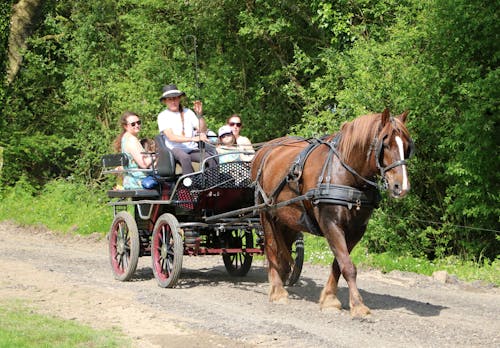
(69,277)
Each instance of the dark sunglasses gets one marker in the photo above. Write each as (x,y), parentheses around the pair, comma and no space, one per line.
(135,123)
(237,124)
(226,135)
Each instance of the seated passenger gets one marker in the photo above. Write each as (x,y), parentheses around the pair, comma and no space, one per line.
(227,146)
(128,143)
(229,151)
(182,128)
(244,144)
(148,145)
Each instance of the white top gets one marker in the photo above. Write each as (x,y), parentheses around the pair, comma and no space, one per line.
(245,145)
(172,120)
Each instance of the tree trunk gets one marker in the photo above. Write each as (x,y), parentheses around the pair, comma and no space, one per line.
(1,160)
(25,15)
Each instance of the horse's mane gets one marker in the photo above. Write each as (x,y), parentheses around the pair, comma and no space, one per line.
(358,134)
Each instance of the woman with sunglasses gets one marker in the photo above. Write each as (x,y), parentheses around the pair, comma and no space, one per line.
(129,144)
(244,144)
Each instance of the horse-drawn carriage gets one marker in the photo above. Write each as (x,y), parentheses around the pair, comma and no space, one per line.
(328,187)
(194,214)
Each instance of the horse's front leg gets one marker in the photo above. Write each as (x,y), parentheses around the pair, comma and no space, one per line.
(328,298)
(358,308)
(277,292)
(337,241)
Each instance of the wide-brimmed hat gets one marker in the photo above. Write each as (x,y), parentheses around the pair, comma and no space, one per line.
(225,130)
(171,91)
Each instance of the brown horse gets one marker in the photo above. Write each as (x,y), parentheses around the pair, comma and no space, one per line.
(327,187)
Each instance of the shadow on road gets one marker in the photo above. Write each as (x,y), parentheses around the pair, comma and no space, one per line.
(309,290)
(306,289)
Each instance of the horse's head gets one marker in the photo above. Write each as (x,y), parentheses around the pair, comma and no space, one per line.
(393,147)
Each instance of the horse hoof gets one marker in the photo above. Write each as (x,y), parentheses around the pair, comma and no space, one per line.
(281,301)
(330,303)
(280,297)
(360,312)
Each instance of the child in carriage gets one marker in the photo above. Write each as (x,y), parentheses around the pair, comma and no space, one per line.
(227,147)
(230,152)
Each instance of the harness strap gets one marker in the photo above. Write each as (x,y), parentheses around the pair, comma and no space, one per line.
(333,147)
(393,165)
(325,192)
(345,195)
(294,173)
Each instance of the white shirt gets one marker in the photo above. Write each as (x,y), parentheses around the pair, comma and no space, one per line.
(172,120)
(245,145)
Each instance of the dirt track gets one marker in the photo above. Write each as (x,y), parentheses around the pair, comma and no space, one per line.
(70,277)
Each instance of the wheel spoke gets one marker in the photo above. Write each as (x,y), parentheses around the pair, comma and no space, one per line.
(168,267)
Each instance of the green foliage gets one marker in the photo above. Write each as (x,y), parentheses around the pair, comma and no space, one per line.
(65,206)
(436,60)
(45,157)
(20,327)
(287,67)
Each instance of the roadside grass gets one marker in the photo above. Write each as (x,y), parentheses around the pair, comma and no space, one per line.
(71,207)
(318,251)
(20,327)
(63,206)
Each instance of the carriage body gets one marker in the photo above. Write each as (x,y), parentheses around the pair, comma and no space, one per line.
(184,215)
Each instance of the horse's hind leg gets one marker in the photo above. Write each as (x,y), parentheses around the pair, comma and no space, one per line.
(276,266)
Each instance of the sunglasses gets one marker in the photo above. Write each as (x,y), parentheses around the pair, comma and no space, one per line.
(237,124)
(135,123)
(226,135)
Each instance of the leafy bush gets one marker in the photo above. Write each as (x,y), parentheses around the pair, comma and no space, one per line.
(62,205)
(44,157)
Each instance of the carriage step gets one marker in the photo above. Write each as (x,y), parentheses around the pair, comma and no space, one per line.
(133,194)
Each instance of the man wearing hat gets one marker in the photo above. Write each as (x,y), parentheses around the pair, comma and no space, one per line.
(182,128)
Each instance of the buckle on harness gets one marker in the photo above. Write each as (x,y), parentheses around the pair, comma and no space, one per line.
(358,204)
(295,173)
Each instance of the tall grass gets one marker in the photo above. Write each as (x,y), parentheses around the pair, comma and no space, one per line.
(62,205)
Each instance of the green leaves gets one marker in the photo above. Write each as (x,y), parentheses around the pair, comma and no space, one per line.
(286,67)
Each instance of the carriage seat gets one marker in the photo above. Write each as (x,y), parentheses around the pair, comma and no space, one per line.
(112,164)
(166,165)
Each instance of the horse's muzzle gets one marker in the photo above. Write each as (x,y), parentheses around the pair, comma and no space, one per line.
(396,189)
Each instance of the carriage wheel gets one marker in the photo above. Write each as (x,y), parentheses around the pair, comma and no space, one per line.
(167,250)
(297,253)
(238,265)
(124,246)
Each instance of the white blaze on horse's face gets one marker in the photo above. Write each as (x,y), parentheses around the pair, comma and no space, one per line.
(402,157)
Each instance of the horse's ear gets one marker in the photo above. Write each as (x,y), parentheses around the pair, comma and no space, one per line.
(385,117)
(402,117)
